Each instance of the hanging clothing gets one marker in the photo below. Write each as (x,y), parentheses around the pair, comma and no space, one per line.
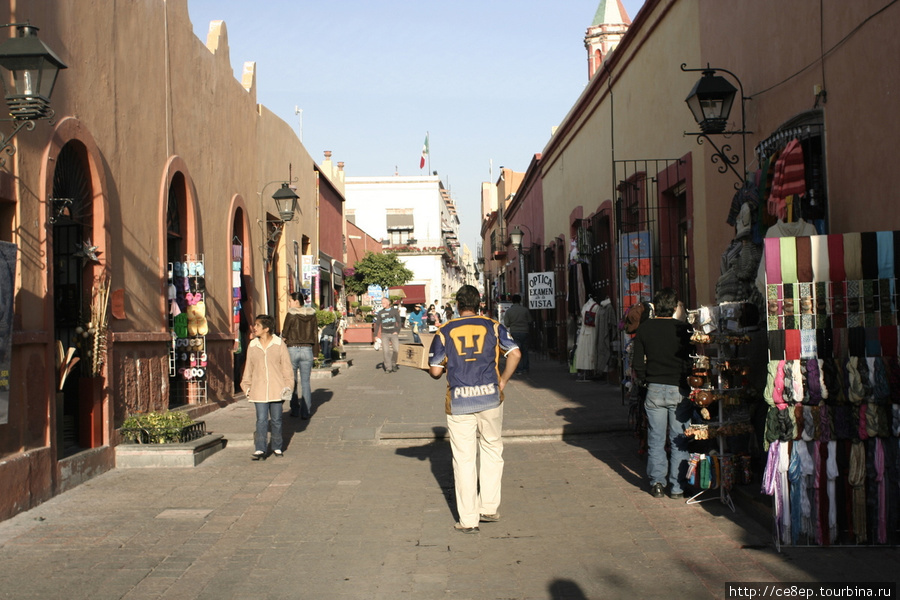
(605,324)
(586,345)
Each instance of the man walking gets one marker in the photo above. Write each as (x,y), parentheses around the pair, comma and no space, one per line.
(387,327)
(468,348)
(517,319)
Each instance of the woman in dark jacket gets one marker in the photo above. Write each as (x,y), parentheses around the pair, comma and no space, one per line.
(301,334)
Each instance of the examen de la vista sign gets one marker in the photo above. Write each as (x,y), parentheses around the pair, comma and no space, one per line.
(541,290)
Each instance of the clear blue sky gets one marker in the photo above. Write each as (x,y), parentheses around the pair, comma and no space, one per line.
(486,80)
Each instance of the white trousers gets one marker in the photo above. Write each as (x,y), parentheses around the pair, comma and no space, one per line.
(469,470)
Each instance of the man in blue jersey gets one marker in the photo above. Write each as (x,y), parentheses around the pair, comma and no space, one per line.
(468,348)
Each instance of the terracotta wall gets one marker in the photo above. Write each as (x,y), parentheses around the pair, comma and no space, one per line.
(148,101)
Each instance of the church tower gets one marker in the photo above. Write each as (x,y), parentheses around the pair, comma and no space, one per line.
(609,25)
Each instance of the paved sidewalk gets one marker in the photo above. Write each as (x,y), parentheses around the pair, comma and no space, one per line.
(408,404)
(360,507)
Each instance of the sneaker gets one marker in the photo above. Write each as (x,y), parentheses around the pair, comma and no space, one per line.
(489,518)
(279,453)
(462,529)
(258,455)
(676,495)
(657,490)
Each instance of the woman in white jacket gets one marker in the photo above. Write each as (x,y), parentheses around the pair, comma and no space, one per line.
(267,381)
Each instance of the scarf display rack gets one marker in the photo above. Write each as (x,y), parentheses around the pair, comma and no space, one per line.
(832,431)
(721,395)
(188,326)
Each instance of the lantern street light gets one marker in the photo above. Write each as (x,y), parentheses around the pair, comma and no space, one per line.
(516,237)
(286,202)
(710,101)
(28,70)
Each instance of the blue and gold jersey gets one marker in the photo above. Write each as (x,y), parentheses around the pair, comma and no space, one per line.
(468,348)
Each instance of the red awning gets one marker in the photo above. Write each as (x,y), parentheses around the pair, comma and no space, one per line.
(413,294)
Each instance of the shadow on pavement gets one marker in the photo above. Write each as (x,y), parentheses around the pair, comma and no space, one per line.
(438,453)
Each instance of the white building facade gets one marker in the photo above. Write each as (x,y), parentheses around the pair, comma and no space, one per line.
(416,218)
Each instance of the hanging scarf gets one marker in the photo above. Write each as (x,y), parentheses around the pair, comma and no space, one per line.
(824,431)
(814,381)
(819,250)
(836,257)
(807,470)
(787,390)
(855,388)
(772,369)
(784,463)
(893,370)
(820,514)
(881,536)
(809,424)
(881,390)
(885,254)
(797,380)
(853,256)
(771,482)
(795,479)
(862,429)
(856,476)
(832,473)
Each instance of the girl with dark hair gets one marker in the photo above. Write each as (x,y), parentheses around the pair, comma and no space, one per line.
(267,382)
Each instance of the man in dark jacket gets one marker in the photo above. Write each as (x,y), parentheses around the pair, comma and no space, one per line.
(662,359)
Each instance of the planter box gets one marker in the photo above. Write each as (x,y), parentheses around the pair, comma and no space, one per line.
(344,363)
(151,436)
(358,334)
(324,372)
(90,412)
(188,454)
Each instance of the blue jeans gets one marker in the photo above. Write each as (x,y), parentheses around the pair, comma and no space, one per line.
(268,413)
(667,411)
(302,364)
(521,339)
(416,328)
(326,343)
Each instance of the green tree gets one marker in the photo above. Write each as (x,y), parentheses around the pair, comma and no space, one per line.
(383,269)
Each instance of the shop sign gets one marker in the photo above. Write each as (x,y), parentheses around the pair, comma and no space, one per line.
(541,290)
(375,294)
(635,269)
(310,270)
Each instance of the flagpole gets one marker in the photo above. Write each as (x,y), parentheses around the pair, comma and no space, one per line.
(428,137)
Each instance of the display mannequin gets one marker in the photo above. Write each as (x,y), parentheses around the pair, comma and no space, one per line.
(586,343)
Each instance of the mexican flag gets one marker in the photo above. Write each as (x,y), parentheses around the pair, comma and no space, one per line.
(424,152)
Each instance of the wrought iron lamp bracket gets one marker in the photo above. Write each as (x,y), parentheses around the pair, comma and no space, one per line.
(724,157)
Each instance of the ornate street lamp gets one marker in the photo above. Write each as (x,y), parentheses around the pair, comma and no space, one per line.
(710,102)
(28,70)
(515,236)
(286,202)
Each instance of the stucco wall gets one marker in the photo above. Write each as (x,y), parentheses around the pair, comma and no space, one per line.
(860,74)
(145,98)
